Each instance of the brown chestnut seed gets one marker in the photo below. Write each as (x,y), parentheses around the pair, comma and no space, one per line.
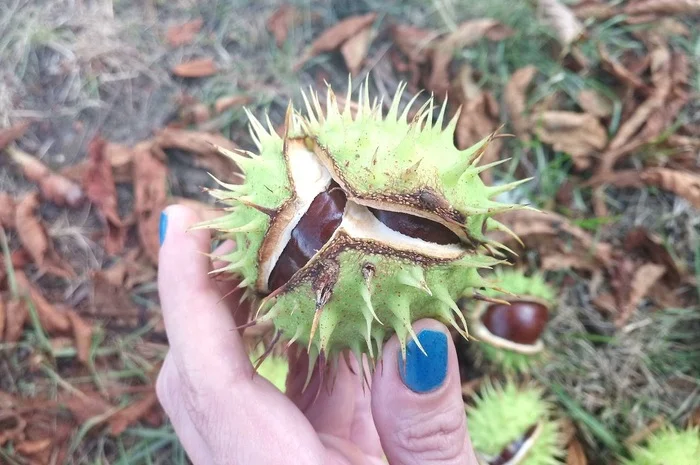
(314,229)
(416,227)
(512,449)
(522,321)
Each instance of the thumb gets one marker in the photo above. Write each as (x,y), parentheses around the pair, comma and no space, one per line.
(417,404)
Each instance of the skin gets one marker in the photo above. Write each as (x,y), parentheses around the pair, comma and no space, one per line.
(224,414)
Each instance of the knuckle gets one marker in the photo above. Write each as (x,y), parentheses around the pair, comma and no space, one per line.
(434,436)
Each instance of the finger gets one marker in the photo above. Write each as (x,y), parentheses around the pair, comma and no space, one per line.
(228,285)
(170,398)
(197,322)
(417,404)
(363,431)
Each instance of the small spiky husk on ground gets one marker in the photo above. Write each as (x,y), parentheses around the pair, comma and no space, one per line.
(670,446)
(488,352)
(368,281)
(502,413)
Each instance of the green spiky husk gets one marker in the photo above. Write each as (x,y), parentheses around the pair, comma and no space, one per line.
(668,446)
(274,368)
(512,284)
(502,413)
(373,158)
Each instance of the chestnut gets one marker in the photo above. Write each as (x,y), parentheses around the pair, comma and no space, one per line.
(523,321)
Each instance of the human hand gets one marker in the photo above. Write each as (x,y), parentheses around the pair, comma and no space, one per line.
(225,414)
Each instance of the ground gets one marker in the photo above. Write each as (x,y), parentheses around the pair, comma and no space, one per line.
(84,68)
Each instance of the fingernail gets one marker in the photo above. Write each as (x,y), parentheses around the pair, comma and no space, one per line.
(163,226)
(422,373)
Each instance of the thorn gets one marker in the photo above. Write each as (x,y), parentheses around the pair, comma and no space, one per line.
(484,298)
(268,351)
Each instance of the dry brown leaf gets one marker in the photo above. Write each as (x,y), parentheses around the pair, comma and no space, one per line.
(121,420)
(33,447)
(11,134)
(643,280)
(466,34)
(82,334)
(150,197)
(3,317)
(53,186)
(224,103)
(578,134)
(573,260)
(119,157)
(413,42)
(283,19)
(99,187)
(515,99)
(16,316)
(550,231)
(201,67)
(12,426)
(84,405)
(651,247)
(688,7)
(618,70)
(559,17)
(32,233)
(575,454)
(594,103)
(183,34)
(682,183)
(354,50)
(335,36)
(53,320)
(203,145)
(7,211)
(110,296)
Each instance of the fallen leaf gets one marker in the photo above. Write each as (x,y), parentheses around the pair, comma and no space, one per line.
(615,68)
(224,103)
(7,211)
(281,21)
(52,319)
(35,239)
(578,134)
(335,36)
(478,118)
(651,247)
(110,297)
(204,146)
(606,302)
(54,187)
(643,280)
(514,96)
(466,34)
(3,317)
(594,9)
(120,158)
(575,454)
(551,232)
(121,420)
(671,7)
(354,50)
(183,34)
(682,183)
(11,134)
(82,334)
(201,67)
(16,316)
(572,260)
(150,197)
(11,426)
(99,187)
(592,102)
(560,18)
(84,405)
(34,447)
(413,42)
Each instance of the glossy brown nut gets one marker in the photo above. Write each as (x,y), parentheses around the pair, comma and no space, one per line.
(313,230)
(512,449)
(416,227)
(522,321)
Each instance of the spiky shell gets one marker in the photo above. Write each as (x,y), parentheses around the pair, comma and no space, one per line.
(503,413)
(274,368)
(368,282)
(512,284)
(668,446)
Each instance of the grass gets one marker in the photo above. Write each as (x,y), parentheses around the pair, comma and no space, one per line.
(68,69)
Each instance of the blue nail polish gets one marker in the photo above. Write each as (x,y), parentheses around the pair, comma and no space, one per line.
(163,226)
(423,373)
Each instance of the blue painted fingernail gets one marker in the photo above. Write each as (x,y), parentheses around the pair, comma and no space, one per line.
(163,226)
(423,373)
